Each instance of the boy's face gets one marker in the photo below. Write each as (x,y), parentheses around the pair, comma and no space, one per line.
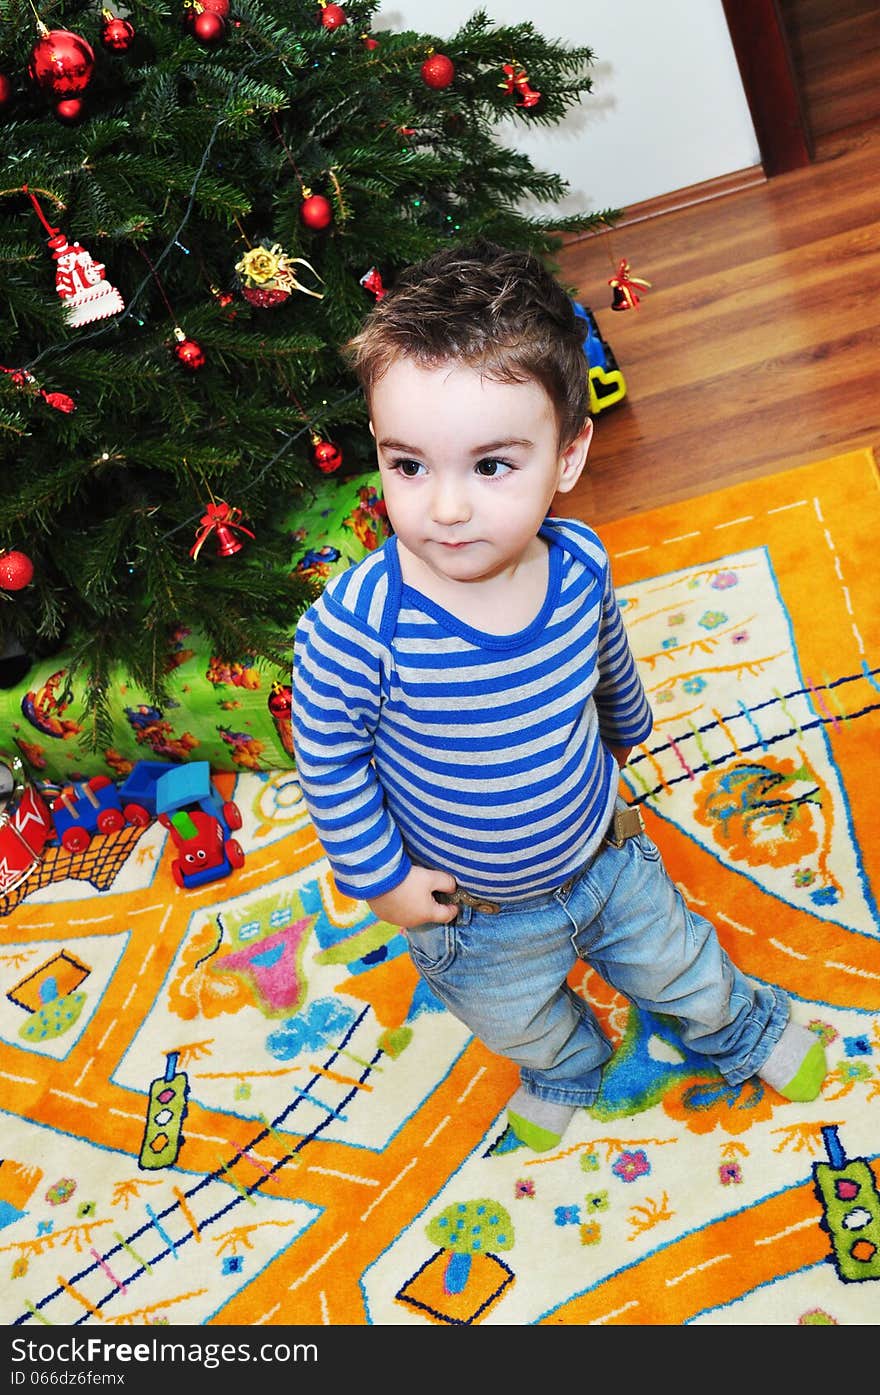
(469,465)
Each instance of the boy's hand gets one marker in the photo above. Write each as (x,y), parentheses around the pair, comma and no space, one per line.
(621,754)
(412,902)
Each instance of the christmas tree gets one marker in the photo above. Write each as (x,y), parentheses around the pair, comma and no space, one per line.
(199,205)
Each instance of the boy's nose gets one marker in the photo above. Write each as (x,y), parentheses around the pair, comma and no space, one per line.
(449,503)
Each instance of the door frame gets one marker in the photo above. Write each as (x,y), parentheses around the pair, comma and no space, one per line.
(766,67)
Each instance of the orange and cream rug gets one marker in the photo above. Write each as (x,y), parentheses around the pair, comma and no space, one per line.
(239,1106)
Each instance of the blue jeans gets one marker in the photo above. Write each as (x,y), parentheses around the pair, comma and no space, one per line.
(504,975)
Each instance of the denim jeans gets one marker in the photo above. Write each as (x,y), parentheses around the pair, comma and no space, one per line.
(504,975)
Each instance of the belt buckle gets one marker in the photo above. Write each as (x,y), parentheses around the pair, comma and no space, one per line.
(460,897)
(627,823)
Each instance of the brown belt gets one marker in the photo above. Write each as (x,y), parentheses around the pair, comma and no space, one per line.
(626,823)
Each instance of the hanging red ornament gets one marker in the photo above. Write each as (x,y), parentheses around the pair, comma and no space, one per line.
(516,79)
(369,42)
(224,522)
(316,211)
(16,571)
(5,90)
(70,110)
(280,703)
(188,352)
(79,279)
(209,28)
(61,63)
(372,281)
(117,34)
(438,70)
(60,401)
(626,287)
(332,16)
(325,454)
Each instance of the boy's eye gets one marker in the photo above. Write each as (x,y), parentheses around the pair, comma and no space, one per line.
(490,468)
(408,468)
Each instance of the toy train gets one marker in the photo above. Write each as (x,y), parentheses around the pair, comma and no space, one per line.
(182,797)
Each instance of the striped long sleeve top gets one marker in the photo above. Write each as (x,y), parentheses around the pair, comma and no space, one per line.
(421,740)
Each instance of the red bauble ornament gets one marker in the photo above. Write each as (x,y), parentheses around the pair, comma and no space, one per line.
(326,455)
(438,70)
(69,110)
(5,89)
(209,28)
(116,34)
(16,571)
(189,354)
(369,42)
(316,211)
(61,63)
(333,16)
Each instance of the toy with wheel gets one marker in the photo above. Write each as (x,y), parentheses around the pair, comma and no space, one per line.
(81,810)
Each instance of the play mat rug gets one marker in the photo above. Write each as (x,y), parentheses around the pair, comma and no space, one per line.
(237,1104)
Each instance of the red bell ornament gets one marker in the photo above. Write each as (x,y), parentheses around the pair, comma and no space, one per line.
(61,62)
(223,521)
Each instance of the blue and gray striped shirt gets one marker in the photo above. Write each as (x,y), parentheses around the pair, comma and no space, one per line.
(421,740)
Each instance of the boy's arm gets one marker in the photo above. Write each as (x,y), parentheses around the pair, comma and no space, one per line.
(625,716)
(337,689)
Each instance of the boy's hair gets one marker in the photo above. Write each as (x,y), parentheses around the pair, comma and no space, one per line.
(495,310)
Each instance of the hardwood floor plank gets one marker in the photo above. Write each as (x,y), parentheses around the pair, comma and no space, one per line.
(757,348)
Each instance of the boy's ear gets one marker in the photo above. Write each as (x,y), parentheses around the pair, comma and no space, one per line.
(372,429)
(574,458)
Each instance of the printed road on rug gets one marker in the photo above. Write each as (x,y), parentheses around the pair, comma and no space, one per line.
(239,1105)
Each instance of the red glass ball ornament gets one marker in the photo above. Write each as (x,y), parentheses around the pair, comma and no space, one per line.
(117,34)
(209,28)
(16,571)
(438,70)
(61,63)
(327,456)
(69,110)
(316,211)
(217,7)
(280,700)
(5,89)
(190,354)
(369,42)
(333,16)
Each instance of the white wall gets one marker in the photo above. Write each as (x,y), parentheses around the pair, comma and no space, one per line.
(667,108)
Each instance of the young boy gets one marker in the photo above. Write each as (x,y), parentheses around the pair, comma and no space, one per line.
(463,698)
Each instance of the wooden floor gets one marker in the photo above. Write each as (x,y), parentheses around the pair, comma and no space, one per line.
(756,349)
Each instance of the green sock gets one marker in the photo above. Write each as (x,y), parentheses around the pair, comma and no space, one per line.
(796,1066)
(806,1083)
(538,1123)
